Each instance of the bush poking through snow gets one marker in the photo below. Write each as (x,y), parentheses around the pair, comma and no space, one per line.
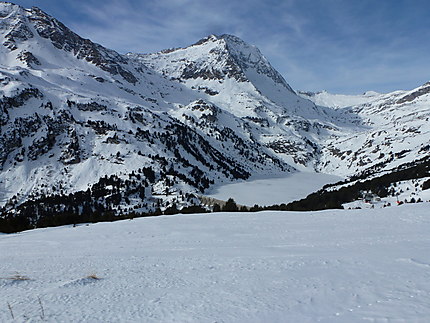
(17,277)
(93,277)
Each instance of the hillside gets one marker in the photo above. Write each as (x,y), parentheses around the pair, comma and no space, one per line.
(394,131)
(86,131)
(330,266)
(75,114)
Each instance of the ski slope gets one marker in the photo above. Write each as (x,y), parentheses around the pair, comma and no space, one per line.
(329,266)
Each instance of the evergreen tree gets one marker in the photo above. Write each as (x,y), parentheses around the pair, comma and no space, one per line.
(216,208)
(230,206)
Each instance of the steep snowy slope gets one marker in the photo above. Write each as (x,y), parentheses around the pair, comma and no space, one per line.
(395,130)
(236,77)
(336,101)
(73,112)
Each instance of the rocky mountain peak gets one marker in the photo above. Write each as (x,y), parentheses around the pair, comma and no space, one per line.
(244,57)
(211,38)
(416,93)
(13,25)
(8,8)
(19,25)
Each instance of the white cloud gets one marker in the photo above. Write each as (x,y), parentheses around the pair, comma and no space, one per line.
(327,47)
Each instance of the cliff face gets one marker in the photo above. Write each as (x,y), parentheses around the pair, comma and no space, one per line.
(74,114)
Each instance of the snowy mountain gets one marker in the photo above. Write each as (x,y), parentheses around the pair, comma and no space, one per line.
(236,77)
(74,112)
(143,132)
(335,101)
(393,130)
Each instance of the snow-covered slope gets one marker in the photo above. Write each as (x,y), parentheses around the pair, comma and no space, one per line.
(139,132)
(236,77)
(394,130)
(73,112)
(330,266)
(336,101)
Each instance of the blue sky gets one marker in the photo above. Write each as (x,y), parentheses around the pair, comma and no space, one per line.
(348,46)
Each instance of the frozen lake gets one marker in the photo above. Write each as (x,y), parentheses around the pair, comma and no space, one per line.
(277,190)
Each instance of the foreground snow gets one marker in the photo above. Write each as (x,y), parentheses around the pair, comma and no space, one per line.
(331,266)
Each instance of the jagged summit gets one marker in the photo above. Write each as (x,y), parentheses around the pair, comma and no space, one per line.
(249,57)
(144,130)
(6,8)
(229,56)
(227,64)
(21,29)
(14,25)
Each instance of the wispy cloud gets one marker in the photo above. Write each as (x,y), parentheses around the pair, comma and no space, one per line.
(154,25)
(337,45)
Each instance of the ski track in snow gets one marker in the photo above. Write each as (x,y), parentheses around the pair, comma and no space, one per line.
(328,266)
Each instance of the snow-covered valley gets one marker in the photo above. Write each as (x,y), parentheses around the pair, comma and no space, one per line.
(327,266)
(275,190)
(90,135)
(84,129)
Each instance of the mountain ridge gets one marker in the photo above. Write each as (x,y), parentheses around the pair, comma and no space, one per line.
(159,129)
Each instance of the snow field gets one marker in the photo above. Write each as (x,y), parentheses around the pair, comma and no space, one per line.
(328,266)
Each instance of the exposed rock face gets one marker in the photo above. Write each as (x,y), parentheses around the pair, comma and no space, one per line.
(76,117)
(71,152)
(63,38)
(28,58)
(17,25)
(249,57)
(425,89)
(14,25)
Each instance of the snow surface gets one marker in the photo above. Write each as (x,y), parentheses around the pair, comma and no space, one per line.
(403,191)
(329,266)
(327,99)
(269,191)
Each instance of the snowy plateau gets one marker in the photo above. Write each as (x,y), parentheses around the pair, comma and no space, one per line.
(89,135)
(325,266)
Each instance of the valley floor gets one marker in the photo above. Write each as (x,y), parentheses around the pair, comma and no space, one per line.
(328,266)
(277,190)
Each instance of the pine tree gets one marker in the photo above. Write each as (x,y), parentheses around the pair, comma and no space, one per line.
(230,206)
